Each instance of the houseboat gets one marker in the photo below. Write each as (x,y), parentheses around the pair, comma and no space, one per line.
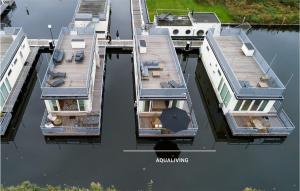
(192,25)
(14,52)
(249,92)
(163,105)
(92,14)
(72,86)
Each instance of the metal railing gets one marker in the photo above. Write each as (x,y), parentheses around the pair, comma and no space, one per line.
(13,48)
(286,129)
(277,88)
(70,91)
(67,130)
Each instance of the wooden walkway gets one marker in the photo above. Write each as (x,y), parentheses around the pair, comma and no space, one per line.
(136,13)
(13,96)
(115,43)
(40,42)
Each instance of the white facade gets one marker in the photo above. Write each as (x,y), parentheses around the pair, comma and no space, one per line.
(13,71)
(223,90)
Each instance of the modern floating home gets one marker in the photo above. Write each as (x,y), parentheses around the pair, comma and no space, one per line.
(14,52)
(164,108)
(92,14)
(194,25)
(72,86)
(249,92)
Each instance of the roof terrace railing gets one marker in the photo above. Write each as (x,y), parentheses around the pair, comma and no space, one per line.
(277,88)
(161,92)
(48,91)
(13,48)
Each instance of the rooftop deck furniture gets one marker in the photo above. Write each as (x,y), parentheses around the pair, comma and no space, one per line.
(156,123)
(79,56)
(165,85)
(58,56)
(51,117)
(54,75)
(174,84)
(57,121)
(56,83)
(156,74)
(69,57)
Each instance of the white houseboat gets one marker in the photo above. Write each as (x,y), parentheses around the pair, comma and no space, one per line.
(194,25)
(72,86)
(249,92)
(164,108)
(94,14)
(14,52)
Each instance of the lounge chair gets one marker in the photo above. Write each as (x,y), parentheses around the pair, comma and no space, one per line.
(58,56)
(56,74)
(165,85)
(174,84)
(145,71)
(69,57)
(56,83)
(79,56)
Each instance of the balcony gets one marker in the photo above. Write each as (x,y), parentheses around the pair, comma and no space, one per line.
(84,125)
(275,123)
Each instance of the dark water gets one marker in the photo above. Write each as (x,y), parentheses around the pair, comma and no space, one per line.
(235,164)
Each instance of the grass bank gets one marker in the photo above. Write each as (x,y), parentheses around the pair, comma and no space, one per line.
(233,11)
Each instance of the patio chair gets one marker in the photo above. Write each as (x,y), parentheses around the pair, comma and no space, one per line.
(165,85)
(174,84)
(69,57)
(56,74)
(79,56)
(56,83)
(58,56)
(51,117)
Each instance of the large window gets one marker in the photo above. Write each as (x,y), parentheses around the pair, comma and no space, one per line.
(4,91)
(255,105)
(1,100)
(224,91)
(7,84)
(220,84)
(238,105)
(246,105)
(227,98)
(263,105)
(53,105)
(81,105)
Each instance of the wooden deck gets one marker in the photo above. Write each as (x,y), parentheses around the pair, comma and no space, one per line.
(158,49)
(76,73)
(266,121)
(137,17)
(5,42)
(245,68)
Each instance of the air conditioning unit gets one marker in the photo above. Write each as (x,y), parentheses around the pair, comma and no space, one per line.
(248,49)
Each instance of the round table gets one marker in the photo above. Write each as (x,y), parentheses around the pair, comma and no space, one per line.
(57,122)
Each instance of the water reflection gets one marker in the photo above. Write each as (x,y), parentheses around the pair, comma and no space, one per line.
(167,149)
(218,123)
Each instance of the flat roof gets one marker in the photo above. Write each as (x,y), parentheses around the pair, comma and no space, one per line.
(5,42)
(76,73)
(159,49)
(198,17)
(94,7)
(244,67)
(175,21)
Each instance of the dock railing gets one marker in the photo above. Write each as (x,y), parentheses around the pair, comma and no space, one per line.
(277,88)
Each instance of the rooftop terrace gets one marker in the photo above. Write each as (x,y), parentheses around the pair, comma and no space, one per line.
(78,73)
(161,53)
(250,76)
(173,21)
